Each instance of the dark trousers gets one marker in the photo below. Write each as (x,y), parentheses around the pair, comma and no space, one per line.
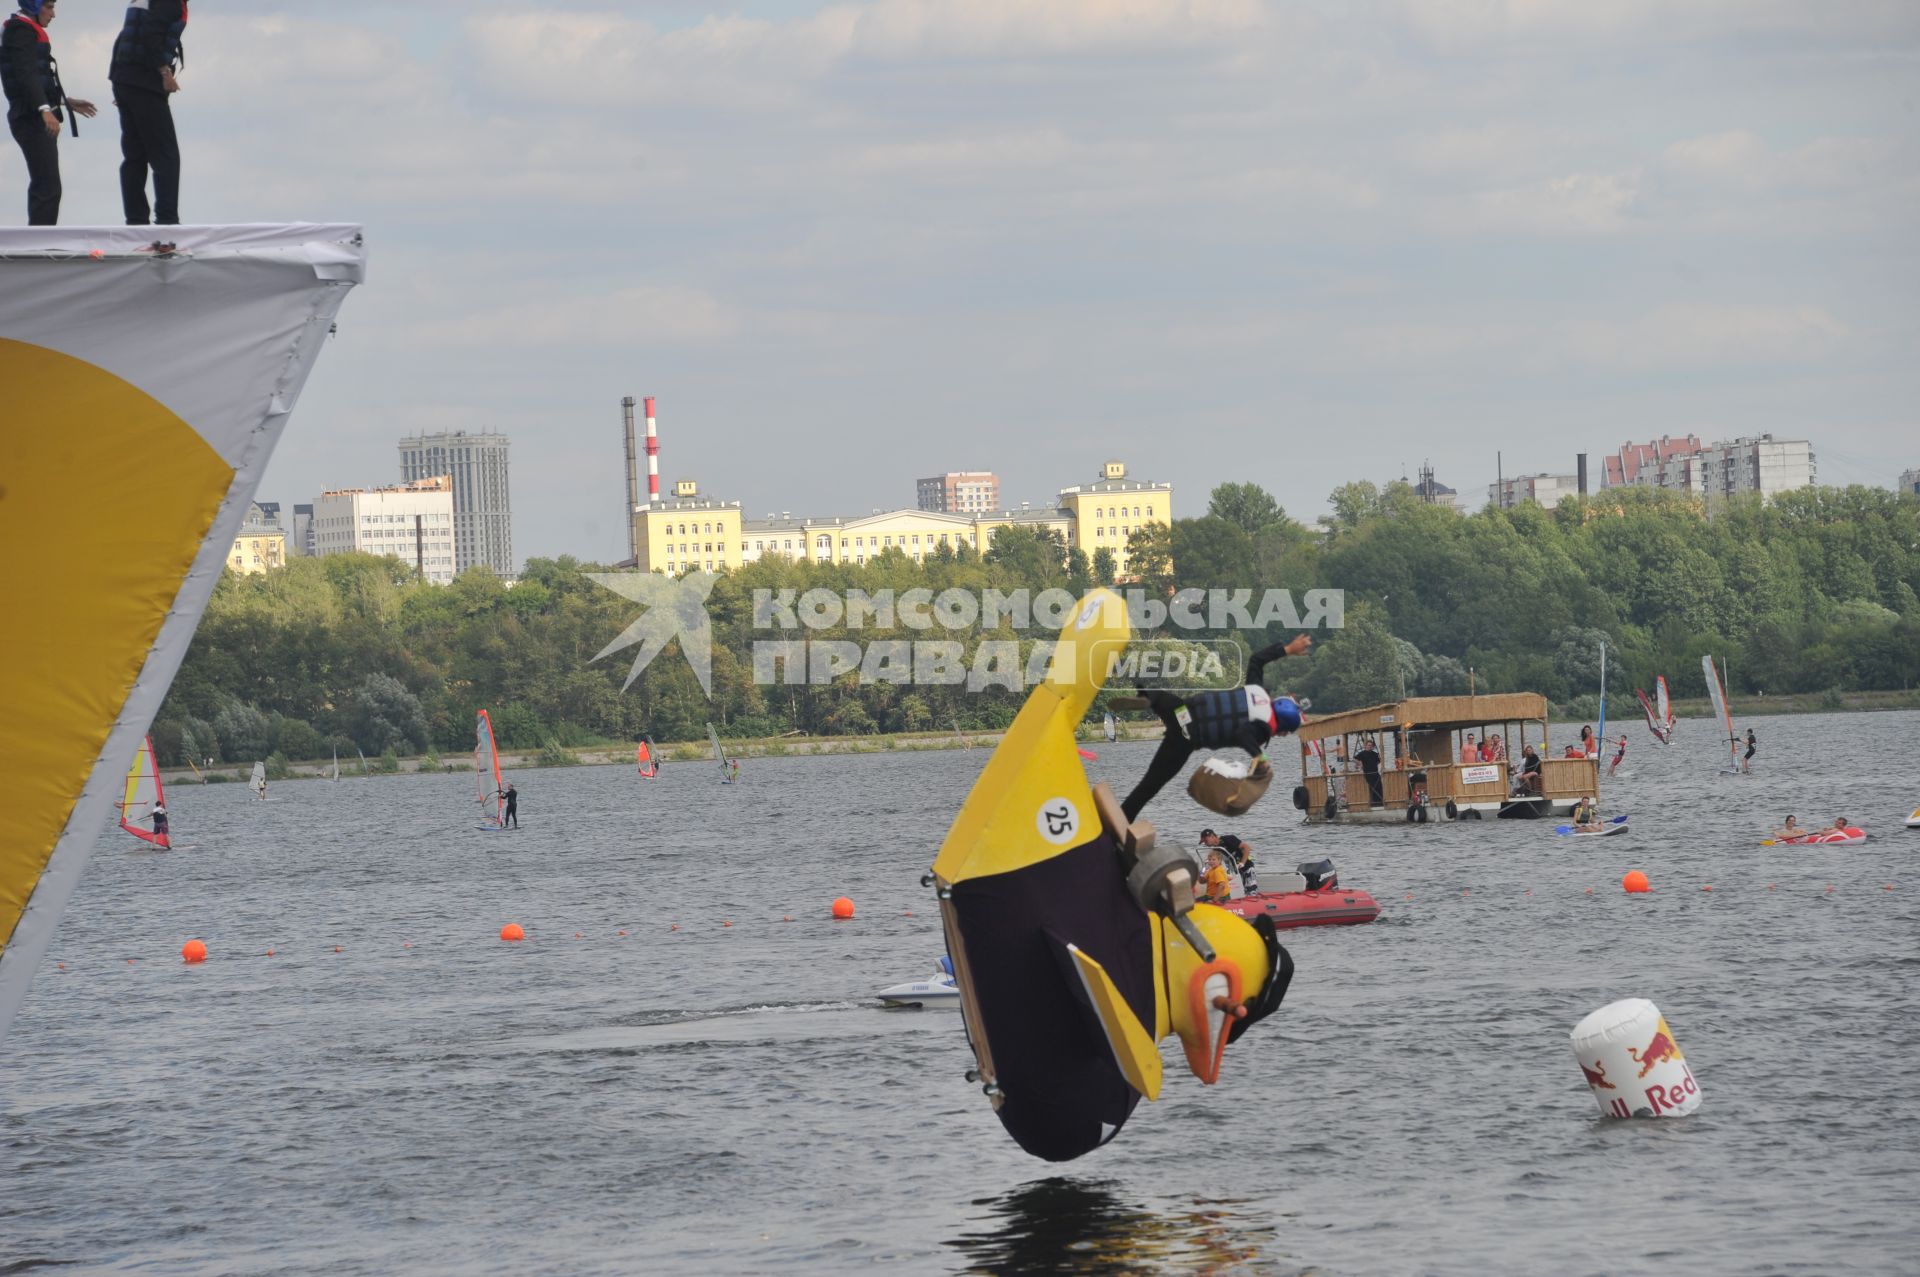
(1175,749)
(147,141)
(42,150)
(1373,788)
(512,814)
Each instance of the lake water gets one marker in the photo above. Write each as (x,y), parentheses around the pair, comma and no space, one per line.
(396,1090)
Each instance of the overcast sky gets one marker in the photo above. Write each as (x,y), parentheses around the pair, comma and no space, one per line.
(853,244)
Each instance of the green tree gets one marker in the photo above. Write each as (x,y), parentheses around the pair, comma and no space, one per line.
(1247,506)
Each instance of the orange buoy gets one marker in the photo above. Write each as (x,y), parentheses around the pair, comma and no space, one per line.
(726,924)
(194,951)
(513,931)
(842,908)
(786,918)
(1708,887)
(623,933)
(1636,882)
(269,953)
(576,935)
(336,948)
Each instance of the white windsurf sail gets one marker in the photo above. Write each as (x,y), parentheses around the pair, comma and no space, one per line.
(1112,727)
(1663,707)
(1719,696)
(486,773)
(336,764)
(144,796)
(258,782)
(720,756)
(365,769)
(158,380)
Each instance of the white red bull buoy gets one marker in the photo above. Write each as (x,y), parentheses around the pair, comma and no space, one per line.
(1631,1062)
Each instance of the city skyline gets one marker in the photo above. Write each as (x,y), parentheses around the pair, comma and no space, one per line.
(862,243)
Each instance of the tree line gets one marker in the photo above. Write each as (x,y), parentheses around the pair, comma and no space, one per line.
(1809,591)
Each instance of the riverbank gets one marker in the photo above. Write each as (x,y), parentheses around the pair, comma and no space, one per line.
(668,751)
(880,743)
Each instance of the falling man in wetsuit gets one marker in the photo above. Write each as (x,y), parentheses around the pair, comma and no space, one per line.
(1242,717)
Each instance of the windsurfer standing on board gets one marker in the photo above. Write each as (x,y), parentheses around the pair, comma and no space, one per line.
(512,813)
(1753,743)
(160,820)
(1244,717)
(1619,754)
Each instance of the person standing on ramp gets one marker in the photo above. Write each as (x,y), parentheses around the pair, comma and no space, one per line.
(146,58)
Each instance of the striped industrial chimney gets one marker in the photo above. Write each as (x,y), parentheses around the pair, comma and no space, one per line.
(653,457)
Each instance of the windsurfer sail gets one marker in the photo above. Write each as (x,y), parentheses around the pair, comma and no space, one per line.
(1112,727)
(486,773)
(729,770)
(258,782)
(336,764)
(1720,711)
(144,798)
(643,757)
(365,770)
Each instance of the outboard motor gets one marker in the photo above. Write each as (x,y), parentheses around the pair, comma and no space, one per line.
(1320,875)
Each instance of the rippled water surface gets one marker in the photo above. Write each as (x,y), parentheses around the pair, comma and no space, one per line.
(396,1090)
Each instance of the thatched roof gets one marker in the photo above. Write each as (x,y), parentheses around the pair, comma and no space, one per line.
(1430,713)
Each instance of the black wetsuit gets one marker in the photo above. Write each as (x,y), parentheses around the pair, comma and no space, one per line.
(1241,859)
(1216,720)
(1369,760)
(1753,743)
(513,809)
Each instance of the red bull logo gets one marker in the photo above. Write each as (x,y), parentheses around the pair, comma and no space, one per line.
(1661,1048)
(1597,1076)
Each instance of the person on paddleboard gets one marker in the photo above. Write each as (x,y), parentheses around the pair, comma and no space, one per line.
(1586,816)
(1244,717)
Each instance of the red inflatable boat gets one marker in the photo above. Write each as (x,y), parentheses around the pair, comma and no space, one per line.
(1337,907)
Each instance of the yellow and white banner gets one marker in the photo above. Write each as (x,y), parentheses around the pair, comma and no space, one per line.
(143,385)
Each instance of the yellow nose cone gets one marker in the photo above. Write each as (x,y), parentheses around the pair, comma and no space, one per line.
(1208,997)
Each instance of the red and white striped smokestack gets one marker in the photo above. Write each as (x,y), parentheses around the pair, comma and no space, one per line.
(653,457)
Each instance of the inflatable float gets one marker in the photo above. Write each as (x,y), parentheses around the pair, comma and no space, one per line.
(1075,941)
(1313,897)
(1913,821)
(1852,833)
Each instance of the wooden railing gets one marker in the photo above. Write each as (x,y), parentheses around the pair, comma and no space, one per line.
(1444,781)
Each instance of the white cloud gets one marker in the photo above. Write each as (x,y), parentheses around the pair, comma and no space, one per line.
(1579,204)
(621,319)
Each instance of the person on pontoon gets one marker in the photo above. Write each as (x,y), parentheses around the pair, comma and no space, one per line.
(1243,717)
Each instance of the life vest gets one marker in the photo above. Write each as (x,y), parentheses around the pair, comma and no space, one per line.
(1217,718)
(44,84)
(135,42)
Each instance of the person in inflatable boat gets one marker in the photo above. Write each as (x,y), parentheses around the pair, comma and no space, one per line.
(1242,717)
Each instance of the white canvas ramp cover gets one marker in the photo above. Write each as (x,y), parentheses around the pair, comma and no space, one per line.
(153,369)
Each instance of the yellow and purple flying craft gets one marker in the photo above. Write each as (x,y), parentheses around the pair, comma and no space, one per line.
(1075,941)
